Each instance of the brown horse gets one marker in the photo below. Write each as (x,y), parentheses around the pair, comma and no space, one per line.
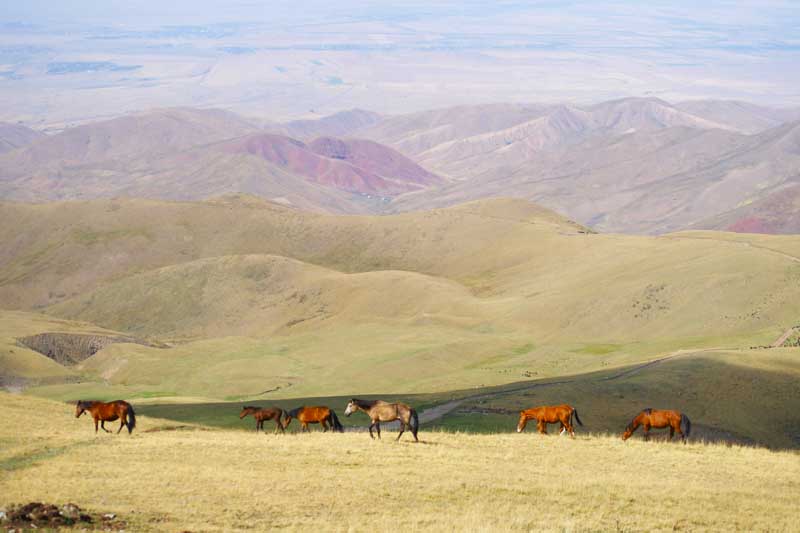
(270,413)
(550,415)
(654,418)
(108,412)
(379,411)
(314,415)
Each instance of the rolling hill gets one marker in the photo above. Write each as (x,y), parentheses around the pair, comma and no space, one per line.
(13,136)
(253,295)
(777,213)
(636,165)
(196,154)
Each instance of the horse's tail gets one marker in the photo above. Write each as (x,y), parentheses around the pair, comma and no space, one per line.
(131,419)
(577,418)
(686,426)
(337,426)
(414,423)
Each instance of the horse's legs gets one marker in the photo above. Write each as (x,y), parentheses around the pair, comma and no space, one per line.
(378,428)
(402,428)
(542,427)
(121,423)
(324,425)
(103,426)
(95,426)
(278,426)
(671,432)
(370,430)
(647,432)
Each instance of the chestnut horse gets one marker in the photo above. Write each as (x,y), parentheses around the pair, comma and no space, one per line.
(675,420)
(550,415)
(313,415)
(270,413)
(379,411)
(108,412)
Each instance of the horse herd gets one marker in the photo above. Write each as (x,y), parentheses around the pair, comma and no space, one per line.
(379,411)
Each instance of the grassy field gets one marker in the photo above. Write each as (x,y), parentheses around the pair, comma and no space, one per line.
(746,397)
(224,480)
(244,300)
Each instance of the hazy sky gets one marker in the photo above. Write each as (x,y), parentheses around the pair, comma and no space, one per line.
(72,59)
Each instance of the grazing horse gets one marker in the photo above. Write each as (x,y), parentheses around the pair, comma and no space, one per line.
(108,412)
(314,415)
(379,411)
(550,415)
(270,413)
(675,420)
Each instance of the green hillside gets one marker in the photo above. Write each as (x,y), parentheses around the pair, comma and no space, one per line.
(240,298)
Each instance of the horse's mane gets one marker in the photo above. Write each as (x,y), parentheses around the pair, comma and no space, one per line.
(250,407)
(293,412)
(364,404)
(646,410)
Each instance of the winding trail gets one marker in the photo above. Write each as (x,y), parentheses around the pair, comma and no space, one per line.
(783,338)
(438,411)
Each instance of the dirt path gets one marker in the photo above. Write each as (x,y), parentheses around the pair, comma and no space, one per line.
(783,338)
(438,411)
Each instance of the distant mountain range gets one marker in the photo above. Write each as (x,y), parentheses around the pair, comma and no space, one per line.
(637,165)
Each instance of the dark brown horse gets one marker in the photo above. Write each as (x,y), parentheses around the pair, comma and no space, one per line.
(379,411)
(314,415)
(108,412)
(654,418)
(550,415)
(270,413)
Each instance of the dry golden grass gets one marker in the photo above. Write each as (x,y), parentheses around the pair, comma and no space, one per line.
(229,480)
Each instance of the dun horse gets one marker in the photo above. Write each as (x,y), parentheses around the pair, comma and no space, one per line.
(270,413)
(550,415)
(675,420)
(379,411)
(313,415)
(108,412)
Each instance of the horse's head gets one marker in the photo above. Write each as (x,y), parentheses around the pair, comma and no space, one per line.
(80,408)
(351,408)
(246,410)
(286,420)
(628,432)
(523,420)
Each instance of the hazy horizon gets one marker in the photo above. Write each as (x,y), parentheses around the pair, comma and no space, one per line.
(61,63)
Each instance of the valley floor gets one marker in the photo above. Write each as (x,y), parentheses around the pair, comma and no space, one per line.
(202,479)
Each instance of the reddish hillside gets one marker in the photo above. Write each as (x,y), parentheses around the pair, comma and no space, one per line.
(364,173)
(375,158)
(777,213)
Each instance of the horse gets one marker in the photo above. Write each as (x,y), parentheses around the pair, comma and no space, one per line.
(550,415)
(108,412)
(379,411)
(270,413)
(314,415)
(675,420)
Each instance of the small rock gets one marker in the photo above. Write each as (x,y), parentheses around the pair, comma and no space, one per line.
(71,511)
(109,516)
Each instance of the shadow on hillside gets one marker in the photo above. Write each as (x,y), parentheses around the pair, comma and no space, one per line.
(726,402)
